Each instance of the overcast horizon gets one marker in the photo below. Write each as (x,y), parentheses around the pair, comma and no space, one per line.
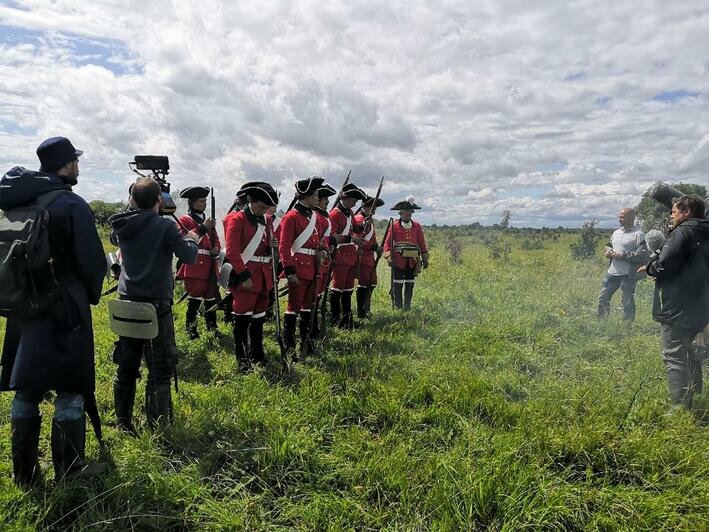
(559,113)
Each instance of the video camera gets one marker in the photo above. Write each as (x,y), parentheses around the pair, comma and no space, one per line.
(159,167)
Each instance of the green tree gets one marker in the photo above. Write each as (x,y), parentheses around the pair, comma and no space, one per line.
(103,210)
(653,215)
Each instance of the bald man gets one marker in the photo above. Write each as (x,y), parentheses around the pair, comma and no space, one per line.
(626,252)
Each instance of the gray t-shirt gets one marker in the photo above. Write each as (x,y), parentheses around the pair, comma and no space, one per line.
(624,242)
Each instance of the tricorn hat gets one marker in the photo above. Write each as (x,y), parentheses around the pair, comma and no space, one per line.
(56,152)
(307,187)
(325,191)
(406,205)
(350,190)
(241,193)
(369,201)
(193,193)
(260,191)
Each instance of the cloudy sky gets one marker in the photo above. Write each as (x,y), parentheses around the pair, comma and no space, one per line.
(557,111)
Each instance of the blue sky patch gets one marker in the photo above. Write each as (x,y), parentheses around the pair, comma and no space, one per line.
(675,95)
(110,54)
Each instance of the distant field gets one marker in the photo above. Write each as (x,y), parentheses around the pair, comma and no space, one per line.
(498,402)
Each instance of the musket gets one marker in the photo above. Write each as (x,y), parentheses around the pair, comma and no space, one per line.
(277,305)
(323,303)
(391,266)
(213,240)
(376,263)
(364,229)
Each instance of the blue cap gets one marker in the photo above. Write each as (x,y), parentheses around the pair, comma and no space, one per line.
(55,152)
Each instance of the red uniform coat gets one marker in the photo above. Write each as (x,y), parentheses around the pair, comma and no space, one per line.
(201,277)
(301,262)
(400,234)
(324,226)
(239,230)
(343,224)
(370,238)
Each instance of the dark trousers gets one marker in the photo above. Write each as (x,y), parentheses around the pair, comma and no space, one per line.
(160,353)
(610,286)
(403,289)
(682,364)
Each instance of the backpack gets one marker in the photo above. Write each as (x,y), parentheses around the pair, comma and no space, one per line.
(29,286)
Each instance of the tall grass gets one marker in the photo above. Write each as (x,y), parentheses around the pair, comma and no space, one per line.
(498,402)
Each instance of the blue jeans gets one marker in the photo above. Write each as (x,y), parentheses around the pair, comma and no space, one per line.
(67,406)
(610,285)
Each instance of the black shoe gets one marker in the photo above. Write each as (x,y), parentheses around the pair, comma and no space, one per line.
(25,445)
(68,446)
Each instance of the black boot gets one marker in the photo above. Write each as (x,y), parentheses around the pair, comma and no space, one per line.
(158,404)
(289,334)
(191,318)
(241,342)
(408,294)
(335,312)
(210,318)
(362,292)
(256,353)
(68,445)
(398,300)
(368,302)
(306,346)
(123,401)
(25,445)
(346,322)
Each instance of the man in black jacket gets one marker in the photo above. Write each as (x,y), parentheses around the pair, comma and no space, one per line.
(56,350)
(681,304)
(148,243)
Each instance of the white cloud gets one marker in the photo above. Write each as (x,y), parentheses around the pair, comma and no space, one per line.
(551,111)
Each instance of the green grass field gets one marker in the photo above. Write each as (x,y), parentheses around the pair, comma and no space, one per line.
(498,402)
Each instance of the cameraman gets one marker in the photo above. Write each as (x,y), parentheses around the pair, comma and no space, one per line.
(147,243)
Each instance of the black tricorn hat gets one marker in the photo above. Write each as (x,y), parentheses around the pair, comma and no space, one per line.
(350,190)
(307,187)
(241,193)
(325,191)
(406,205)
(260,191)
(193,193)
(370,201)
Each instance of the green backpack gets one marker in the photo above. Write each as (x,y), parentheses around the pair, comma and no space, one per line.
(29,286)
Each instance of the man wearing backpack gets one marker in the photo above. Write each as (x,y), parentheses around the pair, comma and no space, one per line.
(53,349)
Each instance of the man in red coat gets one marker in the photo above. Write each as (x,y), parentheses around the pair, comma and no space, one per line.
(366,274)
(200,278)
(249,238)
(299,250)
(345,258)
(406,252)
(328,244)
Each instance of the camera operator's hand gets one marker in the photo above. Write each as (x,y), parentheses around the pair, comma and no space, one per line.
(247,285)
(358,240)
(193,236)
(293,280)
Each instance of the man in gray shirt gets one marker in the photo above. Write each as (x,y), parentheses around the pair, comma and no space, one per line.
(626,252)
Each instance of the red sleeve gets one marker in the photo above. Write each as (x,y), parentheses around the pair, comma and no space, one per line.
(338,222)
(420,239)
(285,240)
(232,235)
(387,239)
(187,222)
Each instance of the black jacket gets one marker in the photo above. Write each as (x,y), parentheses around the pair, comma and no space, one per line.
(148,242)
(682,277)
(56,351)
